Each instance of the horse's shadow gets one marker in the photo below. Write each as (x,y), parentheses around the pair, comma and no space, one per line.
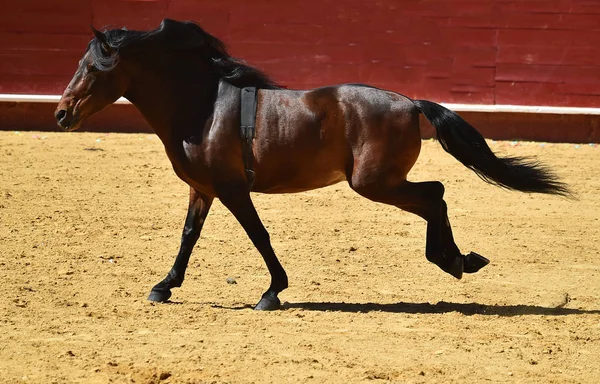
(467,309)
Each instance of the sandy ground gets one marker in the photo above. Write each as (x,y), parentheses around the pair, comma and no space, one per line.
(90,222)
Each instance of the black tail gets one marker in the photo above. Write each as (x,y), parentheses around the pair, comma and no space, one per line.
(467,145)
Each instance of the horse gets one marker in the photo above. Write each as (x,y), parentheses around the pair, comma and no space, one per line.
(188,88)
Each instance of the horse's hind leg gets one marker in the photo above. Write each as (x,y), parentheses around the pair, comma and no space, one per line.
(426,200)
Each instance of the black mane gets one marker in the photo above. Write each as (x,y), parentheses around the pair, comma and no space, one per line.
(171,36)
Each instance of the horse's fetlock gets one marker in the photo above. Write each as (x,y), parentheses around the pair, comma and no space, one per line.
(173,280)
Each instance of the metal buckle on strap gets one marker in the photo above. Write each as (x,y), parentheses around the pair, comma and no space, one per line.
(247,133)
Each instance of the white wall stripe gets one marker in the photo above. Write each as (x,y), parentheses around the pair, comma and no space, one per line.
(455,107)
(7,97)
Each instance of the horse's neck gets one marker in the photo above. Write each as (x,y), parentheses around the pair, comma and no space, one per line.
(174,102)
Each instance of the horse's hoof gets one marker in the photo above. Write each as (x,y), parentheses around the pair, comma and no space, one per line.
(455,268)
(269,302)
(159,296)
(474,262)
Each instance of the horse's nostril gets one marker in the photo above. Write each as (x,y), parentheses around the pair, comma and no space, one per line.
(60,114)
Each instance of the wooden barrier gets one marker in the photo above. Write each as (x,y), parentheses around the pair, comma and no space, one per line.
(541,52)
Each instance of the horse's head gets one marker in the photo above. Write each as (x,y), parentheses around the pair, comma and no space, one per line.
(98,82)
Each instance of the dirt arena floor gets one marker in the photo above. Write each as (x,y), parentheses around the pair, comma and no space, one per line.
(90,222)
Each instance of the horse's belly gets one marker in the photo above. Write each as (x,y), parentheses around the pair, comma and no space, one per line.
(289,173)
(299,184)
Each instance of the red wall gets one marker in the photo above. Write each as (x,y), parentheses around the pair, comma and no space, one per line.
(531,52)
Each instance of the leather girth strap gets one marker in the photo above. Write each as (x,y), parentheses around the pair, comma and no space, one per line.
(247,132)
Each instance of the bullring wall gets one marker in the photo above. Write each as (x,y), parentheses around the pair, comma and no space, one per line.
(534,52)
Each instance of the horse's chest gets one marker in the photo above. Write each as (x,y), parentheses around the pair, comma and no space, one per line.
(190,165)
(193,153)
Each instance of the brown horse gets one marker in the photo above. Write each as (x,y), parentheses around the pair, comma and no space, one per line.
(187,87)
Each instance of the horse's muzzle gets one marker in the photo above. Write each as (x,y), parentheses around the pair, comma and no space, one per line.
(66,120)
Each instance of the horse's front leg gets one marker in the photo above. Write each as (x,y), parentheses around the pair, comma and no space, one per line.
(238,201)
(197,211)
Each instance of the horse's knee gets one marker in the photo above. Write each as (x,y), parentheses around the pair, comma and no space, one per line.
(436,190)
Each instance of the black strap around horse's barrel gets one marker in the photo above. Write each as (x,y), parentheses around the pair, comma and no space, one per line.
(248,120)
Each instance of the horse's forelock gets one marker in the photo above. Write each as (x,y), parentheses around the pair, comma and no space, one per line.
(102,60)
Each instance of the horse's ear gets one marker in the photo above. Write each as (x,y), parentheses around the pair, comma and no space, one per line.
(106,48)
